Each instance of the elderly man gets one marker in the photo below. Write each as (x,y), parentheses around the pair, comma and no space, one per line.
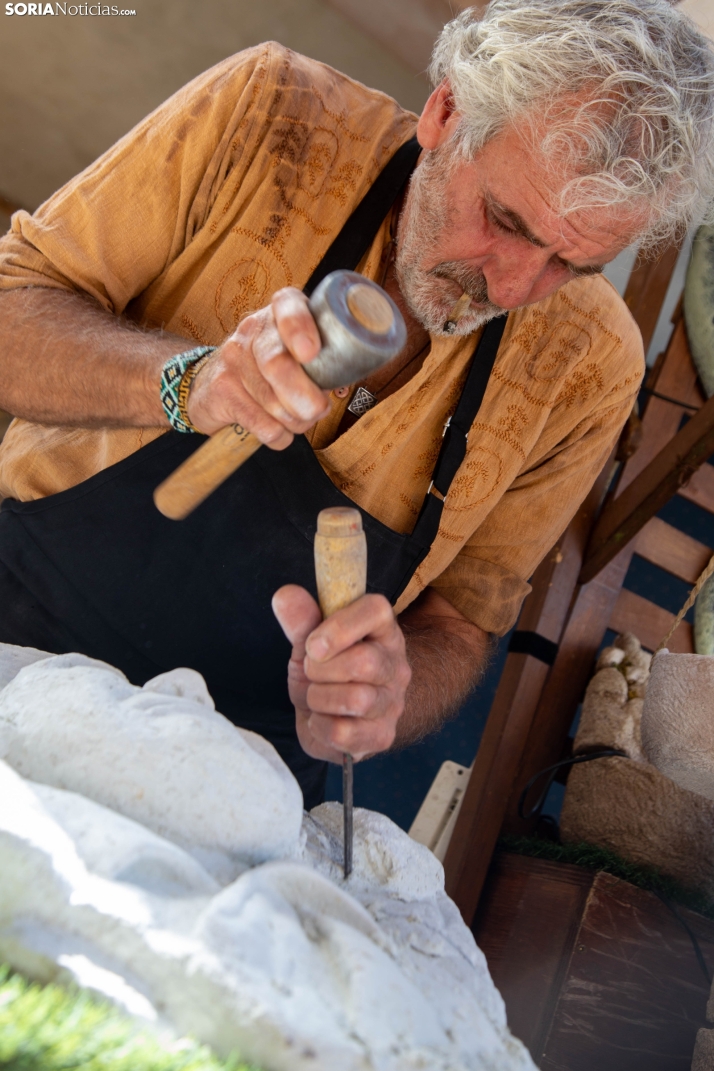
(558,133)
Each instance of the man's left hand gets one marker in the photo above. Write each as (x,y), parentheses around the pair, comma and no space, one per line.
(347,675)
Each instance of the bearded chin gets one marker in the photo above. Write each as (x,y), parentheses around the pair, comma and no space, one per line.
(431,294)
(428,304)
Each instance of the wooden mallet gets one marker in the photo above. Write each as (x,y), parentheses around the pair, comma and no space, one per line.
(361,329)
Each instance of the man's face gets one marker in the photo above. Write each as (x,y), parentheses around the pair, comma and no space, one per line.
(490,227)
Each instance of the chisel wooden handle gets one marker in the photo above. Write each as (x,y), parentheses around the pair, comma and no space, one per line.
(340,558)
(341,574)
(204,471)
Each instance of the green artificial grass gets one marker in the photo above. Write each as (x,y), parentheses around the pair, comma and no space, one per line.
(48,1028)
(592,857)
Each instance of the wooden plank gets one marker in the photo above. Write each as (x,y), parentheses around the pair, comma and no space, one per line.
(624,517)
(700,488)
(670,549)
(526,926)
(649,623)
(634,996)
(647,288)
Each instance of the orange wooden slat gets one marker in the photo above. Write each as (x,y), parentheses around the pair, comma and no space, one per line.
(649,623)
(678,553)
(700,488)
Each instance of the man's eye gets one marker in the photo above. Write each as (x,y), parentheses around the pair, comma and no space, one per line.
(501,224)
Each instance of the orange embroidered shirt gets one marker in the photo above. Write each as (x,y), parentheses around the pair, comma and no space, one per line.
(235,187)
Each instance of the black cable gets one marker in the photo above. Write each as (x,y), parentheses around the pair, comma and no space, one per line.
(602,753)
(666,398)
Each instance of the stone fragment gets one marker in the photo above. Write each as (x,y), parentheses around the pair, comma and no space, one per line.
(625,804)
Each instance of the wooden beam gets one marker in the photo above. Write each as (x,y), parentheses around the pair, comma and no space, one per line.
(627,514)
(670,549)
(650,623)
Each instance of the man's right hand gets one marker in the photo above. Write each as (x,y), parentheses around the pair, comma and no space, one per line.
(255,378)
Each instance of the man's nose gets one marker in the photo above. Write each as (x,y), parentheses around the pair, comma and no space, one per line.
(511,279)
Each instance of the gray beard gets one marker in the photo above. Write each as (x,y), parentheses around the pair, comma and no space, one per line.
(432,293)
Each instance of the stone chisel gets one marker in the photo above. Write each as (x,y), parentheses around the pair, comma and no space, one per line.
(341,574)
(361,329)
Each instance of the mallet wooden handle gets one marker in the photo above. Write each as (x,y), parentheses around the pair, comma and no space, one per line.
(361,329)
(341,574)
(204,471)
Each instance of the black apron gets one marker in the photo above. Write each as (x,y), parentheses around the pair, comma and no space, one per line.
(97,569)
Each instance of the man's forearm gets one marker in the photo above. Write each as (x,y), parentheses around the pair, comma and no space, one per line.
(448,655)
(64,360)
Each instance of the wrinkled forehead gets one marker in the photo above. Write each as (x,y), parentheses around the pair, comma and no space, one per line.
(547,189)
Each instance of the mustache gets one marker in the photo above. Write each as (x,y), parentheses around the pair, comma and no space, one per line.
(471,280)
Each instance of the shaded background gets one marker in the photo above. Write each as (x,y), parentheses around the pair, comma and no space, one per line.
(70,86)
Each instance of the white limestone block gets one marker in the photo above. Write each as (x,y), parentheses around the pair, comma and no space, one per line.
(678,720)
(160,755)
(289,965)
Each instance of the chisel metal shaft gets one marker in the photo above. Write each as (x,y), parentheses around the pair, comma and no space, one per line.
(348,780)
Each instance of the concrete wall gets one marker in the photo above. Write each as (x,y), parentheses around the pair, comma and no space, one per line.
(70,86)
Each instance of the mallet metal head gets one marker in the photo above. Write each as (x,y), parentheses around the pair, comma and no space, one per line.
(360,326)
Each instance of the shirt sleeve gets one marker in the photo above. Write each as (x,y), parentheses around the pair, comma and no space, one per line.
(115,227)
(488,580)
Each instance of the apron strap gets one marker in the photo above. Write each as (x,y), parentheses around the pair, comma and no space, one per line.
(358,233)
(453,447)
(456,432)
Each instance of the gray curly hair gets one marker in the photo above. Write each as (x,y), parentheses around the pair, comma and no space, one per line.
(621,92)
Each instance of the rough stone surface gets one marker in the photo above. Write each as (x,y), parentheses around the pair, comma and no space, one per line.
(678,720)
(626,804)
(102,884)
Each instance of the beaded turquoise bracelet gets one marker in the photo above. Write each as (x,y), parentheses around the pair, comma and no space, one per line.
(171,376)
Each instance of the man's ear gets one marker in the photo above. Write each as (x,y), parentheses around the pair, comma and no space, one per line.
(438,118)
